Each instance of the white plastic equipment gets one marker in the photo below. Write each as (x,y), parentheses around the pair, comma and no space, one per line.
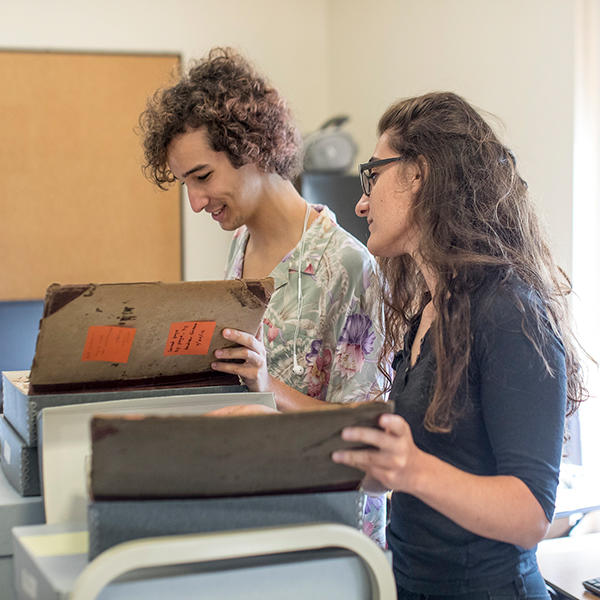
(196,548)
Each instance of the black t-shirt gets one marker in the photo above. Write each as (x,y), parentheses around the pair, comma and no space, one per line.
(514,427)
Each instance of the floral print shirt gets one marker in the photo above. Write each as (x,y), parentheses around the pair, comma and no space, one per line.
(339,333)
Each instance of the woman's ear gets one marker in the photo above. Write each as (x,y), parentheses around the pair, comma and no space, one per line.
(416,173)
(420,172)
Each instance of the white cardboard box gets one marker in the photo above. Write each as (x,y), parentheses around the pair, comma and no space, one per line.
(14,511)
(66,442)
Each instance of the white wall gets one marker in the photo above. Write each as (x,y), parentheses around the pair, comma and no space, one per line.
(511,57)
(287,40)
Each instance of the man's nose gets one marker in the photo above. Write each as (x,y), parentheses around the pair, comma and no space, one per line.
(197,199)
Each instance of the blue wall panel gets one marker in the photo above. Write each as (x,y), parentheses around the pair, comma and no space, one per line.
(19,322)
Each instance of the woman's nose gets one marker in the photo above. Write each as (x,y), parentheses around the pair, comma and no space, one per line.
(362,206)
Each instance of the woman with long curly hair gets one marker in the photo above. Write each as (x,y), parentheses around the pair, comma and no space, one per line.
(225,134)
(485,362)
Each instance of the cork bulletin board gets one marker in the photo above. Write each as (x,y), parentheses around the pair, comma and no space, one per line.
(74,204)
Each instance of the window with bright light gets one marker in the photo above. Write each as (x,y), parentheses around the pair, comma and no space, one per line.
(586,218)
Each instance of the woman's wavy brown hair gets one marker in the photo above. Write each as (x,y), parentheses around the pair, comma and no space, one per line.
(475,217)
(244,116)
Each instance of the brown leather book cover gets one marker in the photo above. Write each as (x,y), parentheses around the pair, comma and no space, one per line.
(141,334)
(193,456)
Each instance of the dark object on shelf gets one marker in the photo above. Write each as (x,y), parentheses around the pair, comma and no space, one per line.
(329,149)
(340,193)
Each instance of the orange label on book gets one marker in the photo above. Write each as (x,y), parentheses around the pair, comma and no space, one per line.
(108,343)
(189,337)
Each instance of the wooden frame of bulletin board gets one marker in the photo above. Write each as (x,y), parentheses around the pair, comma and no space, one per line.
(74,204)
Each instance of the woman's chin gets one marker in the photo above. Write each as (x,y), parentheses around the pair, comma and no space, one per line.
(374,248)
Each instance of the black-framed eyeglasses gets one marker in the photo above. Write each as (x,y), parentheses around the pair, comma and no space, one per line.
(366,177)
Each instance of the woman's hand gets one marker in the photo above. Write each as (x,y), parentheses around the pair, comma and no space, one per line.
(251,350)
(393,462)
(499,507)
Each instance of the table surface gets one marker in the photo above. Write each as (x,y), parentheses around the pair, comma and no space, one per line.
(581,498)
(578,491)
(566,562)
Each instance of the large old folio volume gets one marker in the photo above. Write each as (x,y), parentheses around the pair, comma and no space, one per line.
(209,456)
(137,334)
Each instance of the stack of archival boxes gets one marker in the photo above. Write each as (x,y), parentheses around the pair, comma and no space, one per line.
(149,345)
(100,343)
(15,509)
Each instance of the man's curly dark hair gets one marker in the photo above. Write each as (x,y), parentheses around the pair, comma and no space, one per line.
(244,116)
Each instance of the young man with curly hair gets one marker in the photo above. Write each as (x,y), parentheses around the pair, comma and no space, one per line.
(227,136)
